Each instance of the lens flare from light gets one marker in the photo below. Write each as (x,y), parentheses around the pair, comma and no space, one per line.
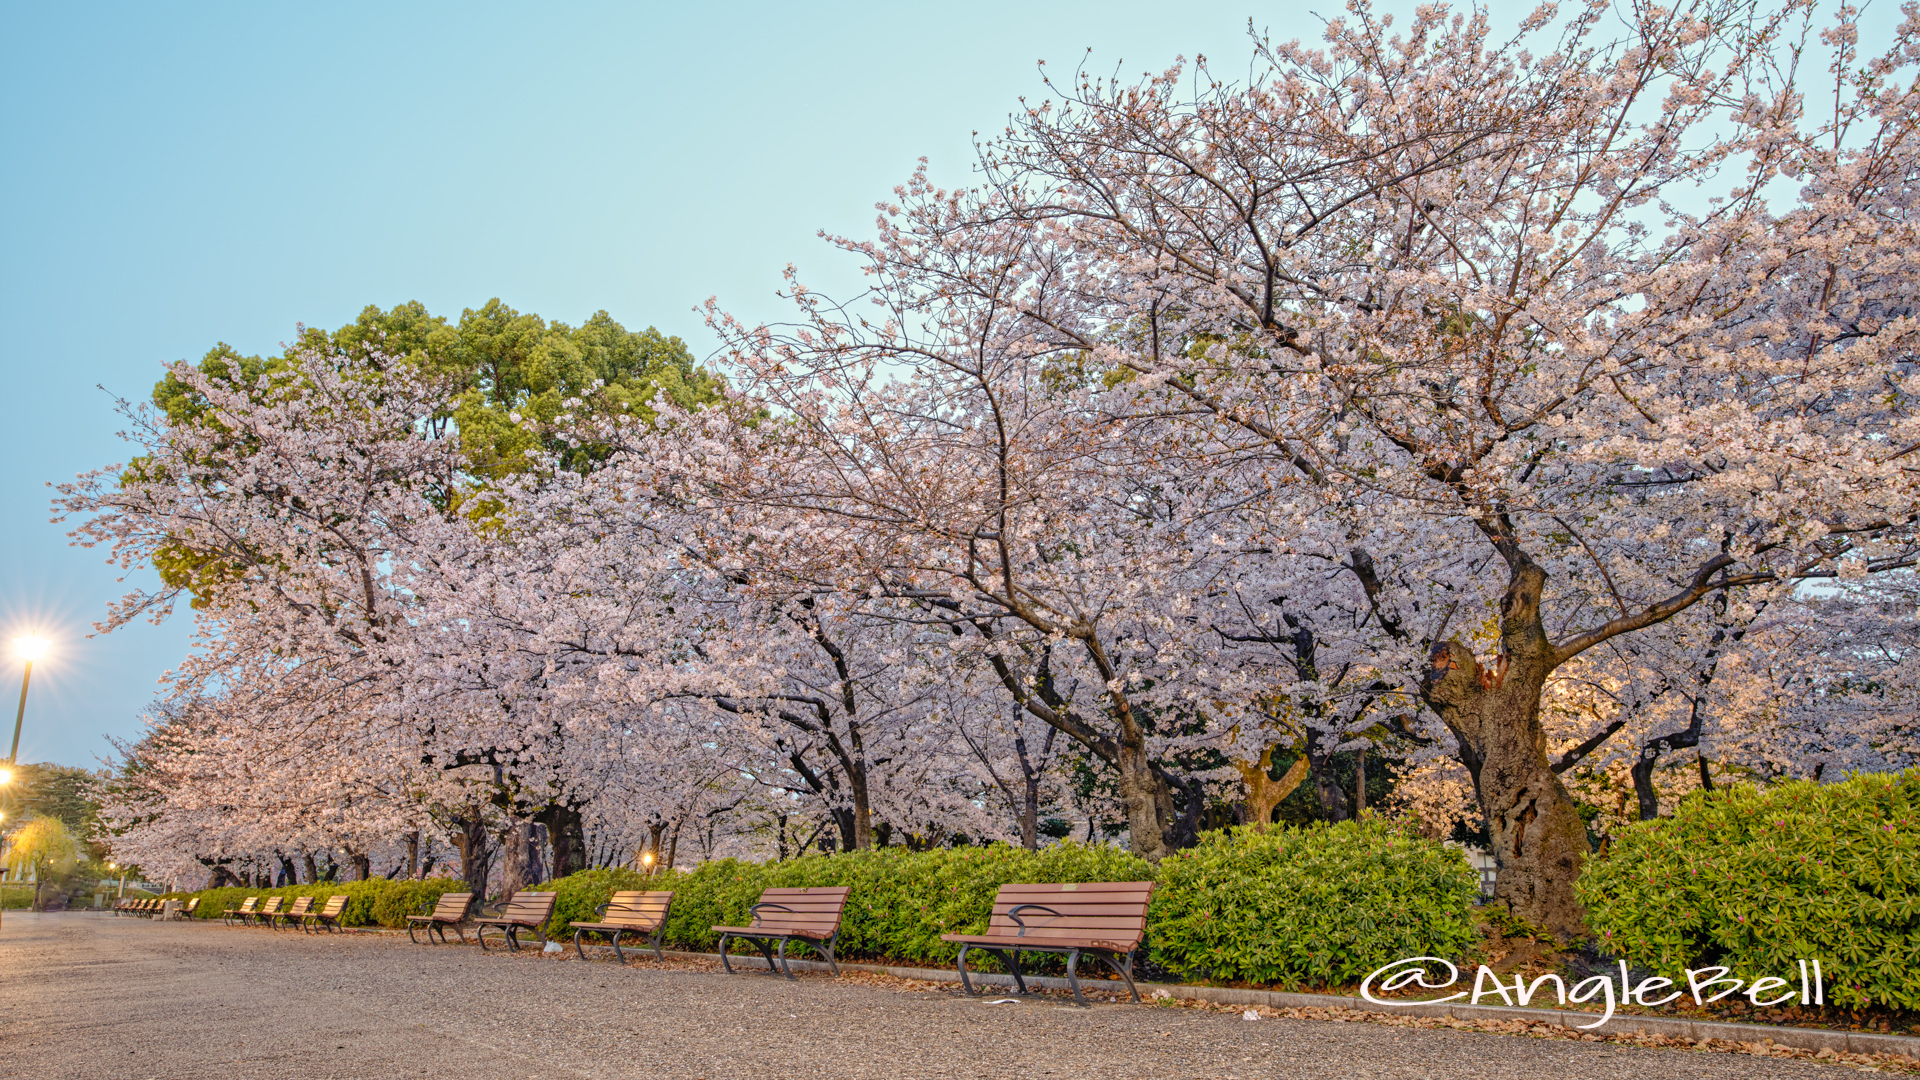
(31,647)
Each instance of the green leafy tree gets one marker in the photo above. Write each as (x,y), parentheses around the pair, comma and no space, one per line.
(45,847)
(511,377)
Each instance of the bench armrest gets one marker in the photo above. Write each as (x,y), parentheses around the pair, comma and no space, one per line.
(755,911)
(1014,914)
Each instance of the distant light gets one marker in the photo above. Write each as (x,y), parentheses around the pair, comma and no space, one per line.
(647,858)
(6,776)
(31,647)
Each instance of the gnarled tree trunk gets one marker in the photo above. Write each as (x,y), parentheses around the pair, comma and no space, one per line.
(1539,840)
(1265,793)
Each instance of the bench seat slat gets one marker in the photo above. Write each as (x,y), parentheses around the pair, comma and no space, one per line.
(1031,942)
(772,931)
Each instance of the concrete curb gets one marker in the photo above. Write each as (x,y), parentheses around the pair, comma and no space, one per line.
(1799,1038)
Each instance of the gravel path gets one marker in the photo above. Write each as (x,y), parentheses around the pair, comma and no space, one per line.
(84,995)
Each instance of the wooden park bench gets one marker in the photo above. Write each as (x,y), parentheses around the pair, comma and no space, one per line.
(269,911)
(294,915)
(243,913)
(525,911)
(450,910)
(628,913)
(788,915)
(1105,919)
(328,916)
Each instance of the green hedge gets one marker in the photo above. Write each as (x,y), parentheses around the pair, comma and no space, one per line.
(1320,906)
(369,903)
(1758,878)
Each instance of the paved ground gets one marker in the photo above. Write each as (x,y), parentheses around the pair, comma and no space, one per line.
(92,996)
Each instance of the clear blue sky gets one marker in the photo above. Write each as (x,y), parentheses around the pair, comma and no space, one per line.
(177,176)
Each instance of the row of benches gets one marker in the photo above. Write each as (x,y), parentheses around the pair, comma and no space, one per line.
(1105,920)
(147,909)
(302,914)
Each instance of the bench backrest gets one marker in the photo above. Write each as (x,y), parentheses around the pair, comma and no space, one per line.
(248,904)
(640,910)
(814,910)
(452,906)
(335,905)
(301,906)
(191,905)
(529,907)
(272,906)
(1114,911)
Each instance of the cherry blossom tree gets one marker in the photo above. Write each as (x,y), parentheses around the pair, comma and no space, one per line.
(1432,294)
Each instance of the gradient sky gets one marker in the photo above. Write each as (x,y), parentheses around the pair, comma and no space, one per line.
(177,176)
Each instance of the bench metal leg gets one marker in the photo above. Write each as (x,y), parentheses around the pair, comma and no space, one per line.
(1010,959)
(826,949)
(655,942)
(1073,981)
(724,962)
(766,950)
(1125,972)
(617,954)
(783,958)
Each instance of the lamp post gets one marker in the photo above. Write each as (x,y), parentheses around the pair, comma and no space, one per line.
(30,648)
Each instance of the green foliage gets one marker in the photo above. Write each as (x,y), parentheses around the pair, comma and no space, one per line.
(582,894)
(55,791)
(1319,906)
(1758,878)
(378,902)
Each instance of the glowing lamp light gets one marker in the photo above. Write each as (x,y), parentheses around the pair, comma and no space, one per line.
(31,647)
(6,777)
(647,859)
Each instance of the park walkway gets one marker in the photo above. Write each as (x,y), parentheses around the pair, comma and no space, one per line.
(84,995)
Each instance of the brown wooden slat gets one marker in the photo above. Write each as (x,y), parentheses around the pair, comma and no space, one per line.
(1036,925)
(1129,911)
(1081,887)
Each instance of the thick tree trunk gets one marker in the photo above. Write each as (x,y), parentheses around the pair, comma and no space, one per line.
(1326,786)
(476,851)
(413,855)
(567,836)
(862,804)
(362,865)
(1539,841)
(313,870)
(1148,801)
(1264,793)
(520,864)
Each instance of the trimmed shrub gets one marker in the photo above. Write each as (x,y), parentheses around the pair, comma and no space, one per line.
(1320,906)
(369,903)
(1758,878)
(582,893)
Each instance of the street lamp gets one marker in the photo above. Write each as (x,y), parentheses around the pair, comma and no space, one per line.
(31,647)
